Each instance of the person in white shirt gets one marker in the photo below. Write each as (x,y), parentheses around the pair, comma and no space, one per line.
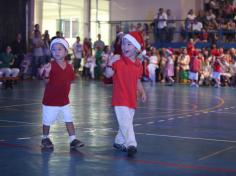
(171,25)
(197,26)
(78,54)
(153,65)
(90,65)
(161,25)
(233,73)
(191,15)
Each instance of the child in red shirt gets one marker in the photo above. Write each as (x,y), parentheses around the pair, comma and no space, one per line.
(126,71)
(217,72)
(195,68)
(58,75)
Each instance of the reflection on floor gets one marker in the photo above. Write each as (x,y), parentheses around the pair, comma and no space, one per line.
(180,131)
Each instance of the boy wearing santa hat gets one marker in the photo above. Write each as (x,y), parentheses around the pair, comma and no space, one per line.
(126,71)
(58,75)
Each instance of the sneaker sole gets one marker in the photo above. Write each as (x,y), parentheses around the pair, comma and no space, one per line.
(78,146)
(119,149)
(131,153)
(47,147)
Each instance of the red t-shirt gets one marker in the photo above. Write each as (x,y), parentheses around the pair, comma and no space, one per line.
(125,82)
(217,67)
(190,49)
(195,64)
(215,52)
(57,89)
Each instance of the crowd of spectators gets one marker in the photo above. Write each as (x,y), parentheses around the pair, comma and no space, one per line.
(214,23)
(188,65)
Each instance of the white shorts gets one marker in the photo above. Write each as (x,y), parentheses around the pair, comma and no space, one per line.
(216,75)
(52,113)
(193,76)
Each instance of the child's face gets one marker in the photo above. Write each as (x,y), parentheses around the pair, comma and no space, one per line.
(128,49)
(58,51)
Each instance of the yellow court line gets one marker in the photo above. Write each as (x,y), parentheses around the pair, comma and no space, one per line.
(201,110)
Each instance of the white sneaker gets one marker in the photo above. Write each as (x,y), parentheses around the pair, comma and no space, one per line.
(192,84)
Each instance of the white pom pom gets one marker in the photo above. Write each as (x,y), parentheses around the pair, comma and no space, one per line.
(144,52)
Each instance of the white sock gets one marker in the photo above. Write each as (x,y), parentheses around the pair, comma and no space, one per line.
(72,137)
(45,136)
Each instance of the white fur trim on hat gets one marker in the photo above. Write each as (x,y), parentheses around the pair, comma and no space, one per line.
(133,41)
(61,41)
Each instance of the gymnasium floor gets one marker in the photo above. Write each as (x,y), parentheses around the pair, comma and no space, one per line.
(181,131)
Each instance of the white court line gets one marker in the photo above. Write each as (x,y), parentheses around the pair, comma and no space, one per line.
(161,120)
(181,117)
(12,121)
(106,129)
(179,137)
(216,153)
(191,138)
(24,138)
(137,124)
(19,105)
(149,123)
(171,118)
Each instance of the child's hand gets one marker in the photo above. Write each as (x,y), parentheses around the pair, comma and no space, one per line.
(144,97)
(45,70)
(113,59)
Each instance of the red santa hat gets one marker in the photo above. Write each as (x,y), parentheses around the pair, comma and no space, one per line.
(136,39)
(170,51)
(61,41)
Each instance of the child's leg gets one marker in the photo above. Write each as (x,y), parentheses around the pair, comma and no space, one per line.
(46,130)
(49,114)
(125,119)
(153,76)
(68,122)
(74,143)
(92,72)
(171,79)
(202,78)
(120,138)
(70,129)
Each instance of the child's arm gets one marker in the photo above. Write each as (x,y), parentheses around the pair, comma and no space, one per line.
(109,72)
(142,91)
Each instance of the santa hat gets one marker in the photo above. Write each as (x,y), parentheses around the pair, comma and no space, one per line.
(61,41)
(170,51)
(136,39)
